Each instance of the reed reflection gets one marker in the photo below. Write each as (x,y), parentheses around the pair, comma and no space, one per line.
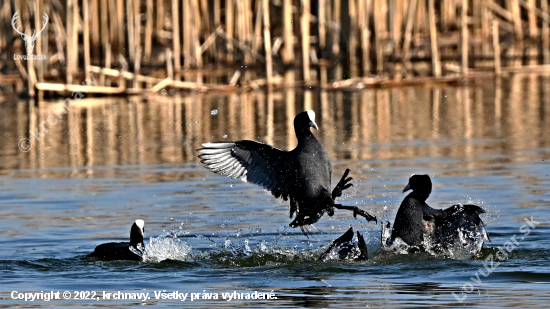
(498,117)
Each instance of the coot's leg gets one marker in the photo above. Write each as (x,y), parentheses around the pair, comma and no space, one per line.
(293,206)
(305,231)
(357,211)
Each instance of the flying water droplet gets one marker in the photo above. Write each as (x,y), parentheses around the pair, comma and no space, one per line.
(214,112)
(225,136)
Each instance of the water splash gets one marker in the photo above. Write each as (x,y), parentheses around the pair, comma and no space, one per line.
(241,252)
(167,247)
(467,245)
(245,250)
(348,251)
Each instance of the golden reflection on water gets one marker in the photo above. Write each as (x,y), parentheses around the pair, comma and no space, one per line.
(496,117)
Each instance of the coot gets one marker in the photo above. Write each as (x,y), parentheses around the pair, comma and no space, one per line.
(303,174)
(121,250)
(425,228)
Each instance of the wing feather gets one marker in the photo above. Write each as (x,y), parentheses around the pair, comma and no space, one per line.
(254,162)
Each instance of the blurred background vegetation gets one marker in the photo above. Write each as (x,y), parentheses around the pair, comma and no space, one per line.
(144,46)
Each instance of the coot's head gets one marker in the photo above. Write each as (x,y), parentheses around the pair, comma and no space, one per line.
(421,185)
(303,121)
(136,233)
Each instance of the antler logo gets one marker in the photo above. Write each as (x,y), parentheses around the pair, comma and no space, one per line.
(29,40)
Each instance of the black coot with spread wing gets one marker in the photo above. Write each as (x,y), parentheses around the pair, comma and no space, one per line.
(458,224)
(303,174)
(121,250)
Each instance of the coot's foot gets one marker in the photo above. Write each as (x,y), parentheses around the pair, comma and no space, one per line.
(342,185)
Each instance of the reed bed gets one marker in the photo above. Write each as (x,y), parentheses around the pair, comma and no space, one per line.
(147,46)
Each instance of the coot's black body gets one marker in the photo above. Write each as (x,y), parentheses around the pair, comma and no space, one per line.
(302,175)
(121,250)
(416,220)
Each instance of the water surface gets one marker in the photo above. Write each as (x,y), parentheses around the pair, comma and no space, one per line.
(110,161)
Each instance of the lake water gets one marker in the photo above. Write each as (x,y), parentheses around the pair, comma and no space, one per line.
(110,161)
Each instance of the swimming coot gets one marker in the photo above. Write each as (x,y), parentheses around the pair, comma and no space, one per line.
(425,228)
(121,250)
(303,174)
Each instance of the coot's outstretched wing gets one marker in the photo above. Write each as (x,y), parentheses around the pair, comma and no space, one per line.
(462,215)
(464,218)
(254,162)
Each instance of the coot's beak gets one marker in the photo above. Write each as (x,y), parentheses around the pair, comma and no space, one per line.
(407,188)
(313,125)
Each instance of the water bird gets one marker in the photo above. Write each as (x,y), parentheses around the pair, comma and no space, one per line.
(424,228)
(303,174)
(121,250)
(346,248)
